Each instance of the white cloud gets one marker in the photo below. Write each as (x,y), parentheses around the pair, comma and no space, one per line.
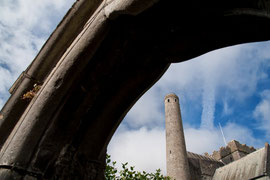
(202,140)
(4,79)
(227,110)
(243,134)
(142,148)
(262,112)
(148,111)
(207,140)
(208,104)
(30,15)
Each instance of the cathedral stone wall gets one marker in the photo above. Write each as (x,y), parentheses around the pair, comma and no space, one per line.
(233,151)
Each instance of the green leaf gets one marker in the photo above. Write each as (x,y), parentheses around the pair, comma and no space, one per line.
(129,173)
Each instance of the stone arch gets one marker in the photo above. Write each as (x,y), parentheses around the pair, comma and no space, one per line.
(116,57)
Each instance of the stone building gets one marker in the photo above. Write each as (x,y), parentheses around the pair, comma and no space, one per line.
(234,162)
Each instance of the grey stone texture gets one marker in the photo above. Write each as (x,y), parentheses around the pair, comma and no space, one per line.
(253,166)
(232,152)
(176,153)
(202,167)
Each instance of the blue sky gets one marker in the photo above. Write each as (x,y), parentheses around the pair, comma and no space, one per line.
(230,86)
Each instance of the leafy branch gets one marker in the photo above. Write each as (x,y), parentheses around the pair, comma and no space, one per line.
(129,173)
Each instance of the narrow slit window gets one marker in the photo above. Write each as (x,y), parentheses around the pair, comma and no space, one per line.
(168,100)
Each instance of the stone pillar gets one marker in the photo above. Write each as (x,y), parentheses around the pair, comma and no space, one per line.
(176,153)
(23,147)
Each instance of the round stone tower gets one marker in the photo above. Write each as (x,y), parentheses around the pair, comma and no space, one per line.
(176,153)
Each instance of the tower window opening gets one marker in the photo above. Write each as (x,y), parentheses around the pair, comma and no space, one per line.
(175,100)
(170,152)
(168,100)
